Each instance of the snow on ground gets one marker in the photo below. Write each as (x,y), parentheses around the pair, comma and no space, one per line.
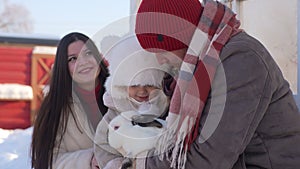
(15,148)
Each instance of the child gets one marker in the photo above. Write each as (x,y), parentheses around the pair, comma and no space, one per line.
(135,80)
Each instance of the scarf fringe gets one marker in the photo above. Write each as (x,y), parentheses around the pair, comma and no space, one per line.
(166,142)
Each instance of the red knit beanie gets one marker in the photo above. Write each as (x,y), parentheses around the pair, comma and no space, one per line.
(167,24)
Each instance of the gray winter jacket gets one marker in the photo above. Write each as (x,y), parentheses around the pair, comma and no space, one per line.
(251,120)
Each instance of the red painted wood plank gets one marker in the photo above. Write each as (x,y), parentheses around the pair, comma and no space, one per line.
(14,123)
(14,104)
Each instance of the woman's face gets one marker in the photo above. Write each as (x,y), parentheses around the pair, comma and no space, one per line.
(142,93)
(83,66)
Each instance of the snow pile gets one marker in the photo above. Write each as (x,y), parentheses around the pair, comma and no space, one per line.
(15,148)
(13,91)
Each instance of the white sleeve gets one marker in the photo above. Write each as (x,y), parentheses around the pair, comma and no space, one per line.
(76,160)
(103,151)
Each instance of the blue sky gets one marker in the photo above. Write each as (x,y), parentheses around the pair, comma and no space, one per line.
(58,17)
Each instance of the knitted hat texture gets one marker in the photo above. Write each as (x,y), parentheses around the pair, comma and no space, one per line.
(167,24)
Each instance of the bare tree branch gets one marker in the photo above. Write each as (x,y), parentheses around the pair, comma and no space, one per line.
(15,18)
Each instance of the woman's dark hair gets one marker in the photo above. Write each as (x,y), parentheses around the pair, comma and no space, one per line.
(56,107)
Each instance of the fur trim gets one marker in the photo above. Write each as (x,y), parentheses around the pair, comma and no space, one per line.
(130,65)
(122,104)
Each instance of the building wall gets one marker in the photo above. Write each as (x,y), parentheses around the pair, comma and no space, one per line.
(274,23)
(15,64)
(15,67)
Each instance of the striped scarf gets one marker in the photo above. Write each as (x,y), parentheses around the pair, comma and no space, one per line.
(216,26)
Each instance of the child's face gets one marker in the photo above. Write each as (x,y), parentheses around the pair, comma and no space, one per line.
(141,93)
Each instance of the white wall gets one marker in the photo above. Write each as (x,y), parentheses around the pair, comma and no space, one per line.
(274,23)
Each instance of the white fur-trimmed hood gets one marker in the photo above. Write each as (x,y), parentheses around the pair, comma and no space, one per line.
(130,64)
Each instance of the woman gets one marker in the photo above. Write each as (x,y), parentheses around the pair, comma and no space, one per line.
(66,122)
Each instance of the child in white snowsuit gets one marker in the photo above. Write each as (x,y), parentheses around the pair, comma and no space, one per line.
(135,80)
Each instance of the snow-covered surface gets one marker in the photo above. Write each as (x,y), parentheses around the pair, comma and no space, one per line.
(13,91)
(15,148)
(44,50)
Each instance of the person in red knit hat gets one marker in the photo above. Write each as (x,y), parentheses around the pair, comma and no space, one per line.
(231,107)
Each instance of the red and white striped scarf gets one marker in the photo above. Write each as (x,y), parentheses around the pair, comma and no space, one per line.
(218,24)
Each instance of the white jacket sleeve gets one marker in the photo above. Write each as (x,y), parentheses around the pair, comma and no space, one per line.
(76,160)
(104,153)
(76,147)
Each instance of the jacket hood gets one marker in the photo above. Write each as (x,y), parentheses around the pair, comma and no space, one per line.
(131,65)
